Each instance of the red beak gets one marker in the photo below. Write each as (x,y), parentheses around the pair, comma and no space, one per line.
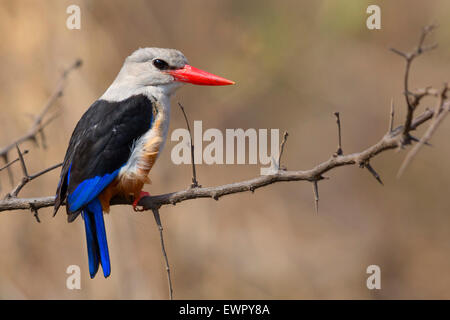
(193,75)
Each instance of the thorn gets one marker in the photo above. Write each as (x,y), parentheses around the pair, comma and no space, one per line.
(10,173)
(22,162)
(43,139)
(35,141)
(391,120)
(35,213)
(415,139)
(339,151)
(316,195)
(400,53)
(78,63)
(373,172)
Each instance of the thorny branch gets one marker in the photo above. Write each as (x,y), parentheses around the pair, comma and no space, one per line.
(27,178)
(40,121)
(440,113)
(194,173)
(395,138)
(163,249)
(6,166)
(413,100)
(387,142)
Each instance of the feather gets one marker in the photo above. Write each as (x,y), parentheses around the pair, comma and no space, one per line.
(89,189)
(97,243)
(96,208)
(91,241)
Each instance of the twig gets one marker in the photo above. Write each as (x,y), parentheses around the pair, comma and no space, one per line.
(12,162)
(40,122)
(316,195)
(409,57)
(163,249)
(426,137)
(387,142)
(391,118)
(26,177)
(339,151)
(194,174)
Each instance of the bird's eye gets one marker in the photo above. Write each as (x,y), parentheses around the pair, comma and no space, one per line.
(160,64)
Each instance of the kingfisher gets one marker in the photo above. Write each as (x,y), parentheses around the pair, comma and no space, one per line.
(118,139)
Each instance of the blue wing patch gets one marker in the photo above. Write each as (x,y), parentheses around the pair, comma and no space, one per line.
(86,191)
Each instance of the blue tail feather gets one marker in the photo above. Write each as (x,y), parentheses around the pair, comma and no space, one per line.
(91,241)
(96,238)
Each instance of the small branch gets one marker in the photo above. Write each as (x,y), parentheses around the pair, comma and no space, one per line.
(27,178)
(440,112)
(316,195)
(39,122)
(426,137)
(391,119)
(409,57)
(339,151)
(10,173)
(194,174)
(163,249)
(22,162)
(12,162)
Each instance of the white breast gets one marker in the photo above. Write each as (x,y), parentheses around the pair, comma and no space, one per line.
(146,149)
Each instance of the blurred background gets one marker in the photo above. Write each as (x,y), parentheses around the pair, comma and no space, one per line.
(295,63)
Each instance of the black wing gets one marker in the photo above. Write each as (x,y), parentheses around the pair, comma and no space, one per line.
(101,143)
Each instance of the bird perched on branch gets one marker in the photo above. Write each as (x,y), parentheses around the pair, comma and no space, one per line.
(118,139)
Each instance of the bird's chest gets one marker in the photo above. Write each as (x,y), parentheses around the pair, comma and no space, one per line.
(154,139)
(146,149)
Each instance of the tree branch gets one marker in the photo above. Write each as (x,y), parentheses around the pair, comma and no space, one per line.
(409,58)
(387,142)
(40,121)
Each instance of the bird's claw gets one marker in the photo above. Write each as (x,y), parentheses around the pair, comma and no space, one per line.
(136,201)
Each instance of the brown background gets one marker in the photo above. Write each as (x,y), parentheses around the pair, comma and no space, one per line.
(295,63)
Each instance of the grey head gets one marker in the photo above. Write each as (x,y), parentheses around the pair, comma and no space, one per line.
(157,73)
(147,70)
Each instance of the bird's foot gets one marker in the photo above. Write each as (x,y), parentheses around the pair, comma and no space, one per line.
(136,201)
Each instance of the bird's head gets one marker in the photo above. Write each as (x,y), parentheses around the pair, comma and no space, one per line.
(165,69)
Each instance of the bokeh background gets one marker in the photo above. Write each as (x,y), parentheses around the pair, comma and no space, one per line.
(295,63)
